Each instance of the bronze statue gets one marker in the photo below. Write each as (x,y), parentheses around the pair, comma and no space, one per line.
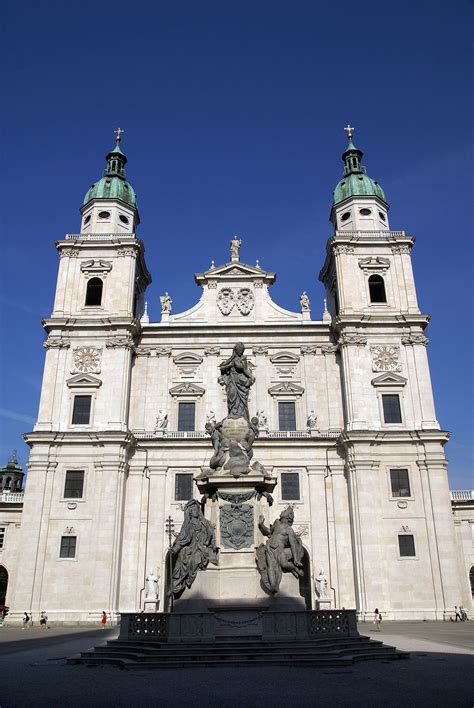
(282,553)
(193,549)
(237,379)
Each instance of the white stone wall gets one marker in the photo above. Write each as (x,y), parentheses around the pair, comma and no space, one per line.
(348,520)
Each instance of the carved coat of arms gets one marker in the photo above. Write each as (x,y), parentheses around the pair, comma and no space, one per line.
(225,301)
(236,525)
(245,300)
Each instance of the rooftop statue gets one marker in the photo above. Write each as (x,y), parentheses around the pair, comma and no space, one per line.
(237,379)
(282,553)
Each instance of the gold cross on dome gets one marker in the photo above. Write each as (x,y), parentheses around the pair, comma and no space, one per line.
(118,133)
(349,130)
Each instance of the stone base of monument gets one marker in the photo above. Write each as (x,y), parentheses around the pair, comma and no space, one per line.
(236,581)
(238,636)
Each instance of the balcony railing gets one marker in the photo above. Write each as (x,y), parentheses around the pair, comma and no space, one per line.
(12,497)
(372,234)
(97,237)
(201,434)
(462,495)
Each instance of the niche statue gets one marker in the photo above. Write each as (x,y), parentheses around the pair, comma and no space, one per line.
(193,549)
(282,553)
(237,379)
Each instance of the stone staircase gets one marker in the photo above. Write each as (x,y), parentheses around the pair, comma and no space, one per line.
(237,651)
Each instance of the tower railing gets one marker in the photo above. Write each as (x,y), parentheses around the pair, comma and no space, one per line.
(12,497)
(97,237)
(462,495)
(371,234)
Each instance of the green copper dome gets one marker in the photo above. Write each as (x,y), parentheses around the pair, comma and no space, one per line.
(355,182)
(113,184)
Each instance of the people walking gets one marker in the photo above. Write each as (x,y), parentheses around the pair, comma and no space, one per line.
(377,619)
(103,619)
(458,615)
(464,617)
(26,620)
(44,620)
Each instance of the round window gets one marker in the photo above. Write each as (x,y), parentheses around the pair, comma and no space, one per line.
(365,212)
(104,214)
(345,216)
(87,219)
(123,219)
(382,216)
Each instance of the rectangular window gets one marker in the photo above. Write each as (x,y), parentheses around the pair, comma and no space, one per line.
(183,486)
(287,416)
(406,545)
(186,416)
(74,484)
(400,483)
(68,547)
(290,486)
(392,413)
(2,536)
(81,412)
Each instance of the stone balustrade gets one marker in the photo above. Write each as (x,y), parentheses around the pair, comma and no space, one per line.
(462,495)
(97,237)
(371,234)
(264,434)
(12,497)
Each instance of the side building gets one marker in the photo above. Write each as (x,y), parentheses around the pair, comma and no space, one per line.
(345,407)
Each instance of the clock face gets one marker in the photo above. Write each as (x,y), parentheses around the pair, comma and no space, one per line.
(87,360)
(386,358)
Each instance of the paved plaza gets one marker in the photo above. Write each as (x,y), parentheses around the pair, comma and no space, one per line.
(439,673)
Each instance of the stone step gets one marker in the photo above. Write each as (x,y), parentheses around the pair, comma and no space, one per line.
(238,660)
(315,653)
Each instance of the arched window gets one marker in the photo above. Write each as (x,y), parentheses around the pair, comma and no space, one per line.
(94,292)
(3,584)
(377,289)
(471,578)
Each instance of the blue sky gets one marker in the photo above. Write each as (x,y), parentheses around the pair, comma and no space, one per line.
(233,115)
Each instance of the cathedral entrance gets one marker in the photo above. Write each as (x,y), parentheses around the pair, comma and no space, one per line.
(3,585)
(305,581)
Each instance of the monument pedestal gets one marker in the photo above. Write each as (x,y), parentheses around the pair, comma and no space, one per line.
(233,506)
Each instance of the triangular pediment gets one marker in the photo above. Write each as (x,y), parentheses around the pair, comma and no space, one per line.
(187,389)
(286,389)
(234,271)
(389,379)
(83,381)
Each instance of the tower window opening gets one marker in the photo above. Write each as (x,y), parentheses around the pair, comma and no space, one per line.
(377,289)
(68,547)
(87,219)
(345,216)
(123,219)
(104,214)
(406,546)
(392,412)
(382,216)
(365,212)
(81,412)
(94,292)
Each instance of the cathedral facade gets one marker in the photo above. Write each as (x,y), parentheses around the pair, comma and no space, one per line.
(346,419)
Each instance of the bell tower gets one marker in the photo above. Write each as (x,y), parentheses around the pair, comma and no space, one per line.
(390,426)
(99,299)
